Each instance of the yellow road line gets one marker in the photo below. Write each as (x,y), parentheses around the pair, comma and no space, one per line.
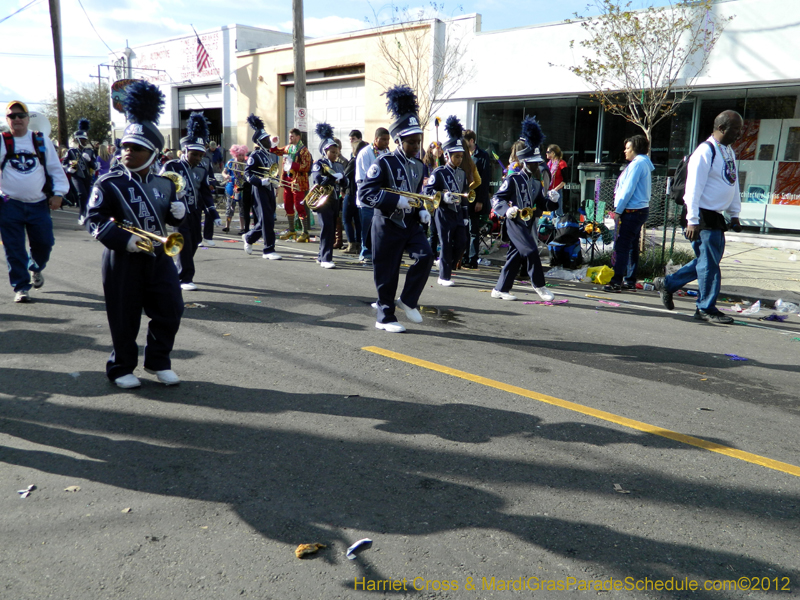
(593,412)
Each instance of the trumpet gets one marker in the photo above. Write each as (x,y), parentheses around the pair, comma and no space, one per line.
(177,179)
(525,213)
(470,196)
(173,243)
(419,200)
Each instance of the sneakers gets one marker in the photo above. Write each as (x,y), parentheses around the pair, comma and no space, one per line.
(271,256)
(287,235)
(544,294)
(188,287)
(445,282)
(503,295)
(127,382)
(248,248)
(303,237)
(226,229)
(167,376)
(412,313)
(436,264)
(37,278)
(659,284)
(81,220)
(615,288)
(22,296)
(628,287)
(208,243)
(393,327)
(327,265)
(715,317)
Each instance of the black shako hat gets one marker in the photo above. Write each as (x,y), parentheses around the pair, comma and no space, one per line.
(402,103)
(455,132)
(260,135)
(325,134)
(196,136)
(143,104)
(533,137)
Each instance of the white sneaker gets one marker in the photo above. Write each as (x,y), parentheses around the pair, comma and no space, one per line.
(208,243)
(412,313)
(81,220)
(393,327)
(127,382)
(503,295)
(37,279)
(248,248)
(272,256)
(188,287)
(167,376)
(21,297)
(544,294)
(436,264)
(446,282)
(327,265)
(374,305)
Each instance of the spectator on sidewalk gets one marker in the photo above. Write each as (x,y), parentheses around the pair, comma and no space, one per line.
(479,209)
(556,165)
(32,183)
(365,159)
(711,190)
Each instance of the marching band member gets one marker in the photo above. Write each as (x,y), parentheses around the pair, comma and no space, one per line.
(195,172)
(296,166)
(132,279)
(522,190)
(396,225)
(257,165)
(327,171)
(81,163)
(452,216)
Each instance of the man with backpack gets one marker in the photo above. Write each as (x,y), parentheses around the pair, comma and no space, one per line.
(711,190)
(32,183)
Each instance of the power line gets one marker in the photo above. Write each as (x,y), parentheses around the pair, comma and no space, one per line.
(51,56)
(28,5)
(95,30)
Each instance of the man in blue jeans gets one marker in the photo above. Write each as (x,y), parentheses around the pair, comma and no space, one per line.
(32,183)
(632,205)
(711,190)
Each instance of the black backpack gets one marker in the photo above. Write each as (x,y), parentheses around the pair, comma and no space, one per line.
(678,187)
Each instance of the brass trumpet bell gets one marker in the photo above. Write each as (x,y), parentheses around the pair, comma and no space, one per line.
(525,213)
(173,243)
(429,203)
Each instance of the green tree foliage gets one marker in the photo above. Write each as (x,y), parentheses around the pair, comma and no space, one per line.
(642,64)
(86,100)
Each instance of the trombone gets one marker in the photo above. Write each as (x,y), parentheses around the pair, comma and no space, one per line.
(273,173)
(173,243)
(418,200)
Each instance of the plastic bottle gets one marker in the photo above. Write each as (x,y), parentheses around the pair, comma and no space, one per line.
(648,287)
(691,292)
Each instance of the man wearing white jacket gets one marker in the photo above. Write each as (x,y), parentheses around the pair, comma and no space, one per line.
(711,190)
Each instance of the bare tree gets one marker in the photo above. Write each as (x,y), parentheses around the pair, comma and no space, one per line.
(642,64)
(432,65)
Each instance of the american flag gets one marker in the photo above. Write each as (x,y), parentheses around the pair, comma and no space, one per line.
(203,60)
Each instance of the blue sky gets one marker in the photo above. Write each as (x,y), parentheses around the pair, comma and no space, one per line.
(32,78)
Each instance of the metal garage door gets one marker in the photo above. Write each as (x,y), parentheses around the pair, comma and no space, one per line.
(340,103)
(199,98)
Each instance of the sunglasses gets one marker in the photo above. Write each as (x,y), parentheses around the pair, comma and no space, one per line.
(14,116)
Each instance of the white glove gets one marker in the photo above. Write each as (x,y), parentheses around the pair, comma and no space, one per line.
(87,157)
(218,222)
(466,222)
(512,212)
(178,209)
(451,198)
(181,194)
(274,140)
(266,182)
(402,203)
(424,217)
(338,176)
(132,247)
(553,195)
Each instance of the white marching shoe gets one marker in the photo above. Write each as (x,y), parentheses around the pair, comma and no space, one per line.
(188,287)
(412,313)
(544,293)
(393,327)
(446,282)
(167,376)
(127,382)
(503,295)
(272,256)
(248,248)
(327,265)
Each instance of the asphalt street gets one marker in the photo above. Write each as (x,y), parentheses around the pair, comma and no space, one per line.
(598,442)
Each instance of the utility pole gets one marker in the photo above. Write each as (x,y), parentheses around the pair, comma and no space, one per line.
(99,79)
(299,44)
(61,106)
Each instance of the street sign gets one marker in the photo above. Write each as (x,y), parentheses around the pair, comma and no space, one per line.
(301,118)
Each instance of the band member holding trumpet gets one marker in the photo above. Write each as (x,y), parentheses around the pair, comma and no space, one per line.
(258,166)
(517,200)
(129,211)
(296,166)
(196,173)
(391,186)
(327,177)
(81,163)
(452,216)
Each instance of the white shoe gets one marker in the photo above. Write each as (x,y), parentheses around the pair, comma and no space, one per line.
(37,279)
(436,264)
(446,282)
(81,220)
(272,256)
(503,295)
(208,243)
(327,265)
(393,327)
(412,313)
(127,382)
(188,287)
(374,305)
(248,248)
(544,294)
(167,376)
(21,297)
